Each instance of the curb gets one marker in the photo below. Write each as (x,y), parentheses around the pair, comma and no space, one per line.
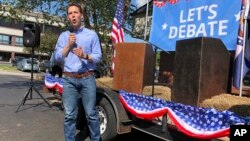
(26,75)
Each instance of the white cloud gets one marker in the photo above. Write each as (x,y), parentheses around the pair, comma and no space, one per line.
(139,3)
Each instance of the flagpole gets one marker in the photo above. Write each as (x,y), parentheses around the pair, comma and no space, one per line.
(246,10)
(146,23)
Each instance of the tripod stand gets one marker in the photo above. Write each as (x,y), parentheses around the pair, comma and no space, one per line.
(30,91)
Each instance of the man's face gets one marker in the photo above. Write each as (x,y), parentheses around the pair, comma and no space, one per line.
(74,16)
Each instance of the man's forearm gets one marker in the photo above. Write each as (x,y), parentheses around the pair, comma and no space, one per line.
(66,50)
(86,57)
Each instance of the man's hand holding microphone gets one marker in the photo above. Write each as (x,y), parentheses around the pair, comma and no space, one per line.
(78,51)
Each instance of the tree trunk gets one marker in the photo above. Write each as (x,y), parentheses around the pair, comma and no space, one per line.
(85,16)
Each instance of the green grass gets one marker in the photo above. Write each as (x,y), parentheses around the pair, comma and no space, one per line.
(7,68)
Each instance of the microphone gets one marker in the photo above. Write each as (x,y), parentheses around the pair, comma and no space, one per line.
(71,30)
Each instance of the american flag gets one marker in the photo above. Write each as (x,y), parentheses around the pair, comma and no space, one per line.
(117,30)
(201,123)
(160,3)
(239,53)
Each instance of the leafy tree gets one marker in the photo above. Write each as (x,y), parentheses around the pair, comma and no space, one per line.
(48,42)
(98,15)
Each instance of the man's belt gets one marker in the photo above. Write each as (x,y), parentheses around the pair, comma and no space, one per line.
(78,75)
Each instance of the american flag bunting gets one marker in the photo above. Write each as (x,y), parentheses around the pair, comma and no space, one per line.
(201,123)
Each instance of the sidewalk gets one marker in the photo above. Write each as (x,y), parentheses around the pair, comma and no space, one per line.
(36,76)
(4,62)
(15,73)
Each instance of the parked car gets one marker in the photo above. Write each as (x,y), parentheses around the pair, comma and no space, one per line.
(16,59)
(44,65)
(25,65)
(35,59)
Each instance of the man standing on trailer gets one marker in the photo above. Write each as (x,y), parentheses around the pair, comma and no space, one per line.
(80,50)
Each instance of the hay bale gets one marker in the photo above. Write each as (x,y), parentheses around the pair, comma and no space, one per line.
(162,92)
(105,82)
(237,104)
(224,101)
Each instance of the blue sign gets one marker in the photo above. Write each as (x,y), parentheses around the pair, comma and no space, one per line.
(195,18)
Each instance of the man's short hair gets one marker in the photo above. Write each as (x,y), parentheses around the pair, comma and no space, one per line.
(76,5)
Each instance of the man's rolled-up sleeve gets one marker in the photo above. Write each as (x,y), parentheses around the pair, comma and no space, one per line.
(96,50)
(58,49)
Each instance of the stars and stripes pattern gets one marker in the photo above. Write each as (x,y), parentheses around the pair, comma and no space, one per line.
(52,82)
(173,1)
(117,29)
(202,123)
(117,33)
(160,3)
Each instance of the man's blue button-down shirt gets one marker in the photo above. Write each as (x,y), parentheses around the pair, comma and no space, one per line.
(86,39)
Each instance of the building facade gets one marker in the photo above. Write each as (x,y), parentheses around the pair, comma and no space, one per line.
(139,21)
(11,35)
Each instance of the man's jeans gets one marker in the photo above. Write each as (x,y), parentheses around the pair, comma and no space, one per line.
(73,88)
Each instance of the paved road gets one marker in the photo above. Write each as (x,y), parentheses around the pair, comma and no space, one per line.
(35,121)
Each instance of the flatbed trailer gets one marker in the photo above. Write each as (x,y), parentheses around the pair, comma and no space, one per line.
(116,120)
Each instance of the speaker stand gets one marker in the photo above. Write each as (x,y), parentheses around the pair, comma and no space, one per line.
(30,91)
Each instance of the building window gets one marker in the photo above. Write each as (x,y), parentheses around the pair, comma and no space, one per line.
(4,39)
(19,41)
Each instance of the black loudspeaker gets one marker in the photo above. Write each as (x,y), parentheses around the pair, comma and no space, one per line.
(31,35)
(201,70)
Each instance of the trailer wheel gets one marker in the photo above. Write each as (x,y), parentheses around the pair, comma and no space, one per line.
(108,122)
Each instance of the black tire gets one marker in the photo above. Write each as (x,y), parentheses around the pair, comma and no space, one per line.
(108,122)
